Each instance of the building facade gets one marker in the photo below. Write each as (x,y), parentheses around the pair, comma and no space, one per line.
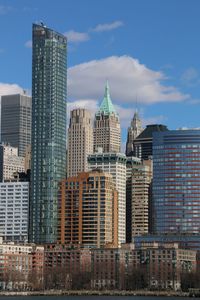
(138,198)
(152,266)
(14,211)
(21,266)
(114,164)
(16,121)
(48,151)
(133,131)
(176,184)
(66,265)
(80,141)
(107,132)
(88,210)
(131,163)
(10,162)
(143,143)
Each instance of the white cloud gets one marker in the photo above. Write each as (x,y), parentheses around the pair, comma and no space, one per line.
(9,89)
(28,44)
(107,27)
(128,79)
(76,37)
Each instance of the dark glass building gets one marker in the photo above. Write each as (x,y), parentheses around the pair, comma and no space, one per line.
(176,182)
(16,121)
(142,145)
(49,67)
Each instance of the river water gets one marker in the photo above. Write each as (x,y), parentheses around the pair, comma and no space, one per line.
(91,298)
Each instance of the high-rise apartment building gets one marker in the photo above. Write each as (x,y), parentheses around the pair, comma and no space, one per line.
(114,164)
(88,210)
(133,131)
(107,132)
(10,162)
(176,183)
(16,121)
(80,141)
(48,131)
(14,210)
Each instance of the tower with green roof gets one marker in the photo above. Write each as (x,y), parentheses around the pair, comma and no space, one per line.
(107,132)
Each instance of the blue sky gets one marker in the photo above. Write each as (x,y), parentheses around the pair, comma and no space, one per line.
(148,50)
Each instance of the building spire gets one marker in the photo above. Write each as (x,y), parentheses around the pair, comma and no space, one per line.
(106,106)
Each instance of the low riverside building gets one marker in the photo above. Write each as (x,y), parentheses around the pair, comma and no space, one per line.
(21,266)
(66,266)
(154,266)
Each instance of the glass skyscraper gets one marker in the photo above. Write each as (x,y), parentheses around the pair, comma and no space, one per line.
(49,67)
(176,182)
(16,121)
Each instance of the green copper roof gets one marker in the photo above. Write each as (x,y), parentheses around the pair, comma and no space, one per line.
(106,106)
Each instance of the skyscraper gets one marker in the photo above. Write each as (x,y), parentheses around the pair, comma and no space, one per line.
(107,133)
(88,210)
(48,131)
(16,121)
(176,182)
(143,142)
(141,179)
(133,131)
(80,141)
(114,164)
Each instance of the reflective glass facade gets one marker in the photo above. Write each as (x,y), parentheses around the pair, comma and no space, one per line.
(176,183)
(49,67)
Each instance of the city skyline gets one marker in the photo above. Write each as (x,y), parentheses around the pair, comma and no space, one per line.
(153,63)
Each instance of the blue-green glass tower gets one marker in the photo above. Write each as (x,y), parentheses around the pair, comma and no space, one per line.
(49,72)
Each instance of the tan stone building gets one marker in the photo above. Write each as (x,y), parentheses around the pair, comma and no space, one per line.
(107,132)
(88,210)
(80,141)
(141,180)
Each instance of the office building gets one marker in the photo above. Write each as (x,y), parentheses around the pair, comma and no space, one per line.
(131,163)
(138,197)
(48,150)
(88,210)
(107,132)
(114,164)
(176,183)
(16,121)
(27,158)
(80,141)
(133,131)
(143,143)
(10,162)
(14,210)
